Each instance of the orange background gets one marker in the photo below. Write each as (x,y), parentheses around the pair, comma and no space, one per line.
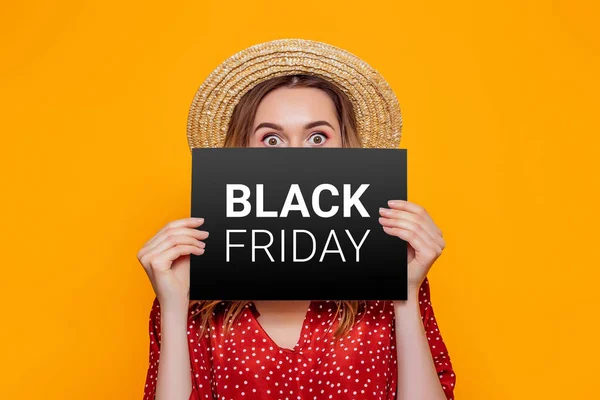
(500,104)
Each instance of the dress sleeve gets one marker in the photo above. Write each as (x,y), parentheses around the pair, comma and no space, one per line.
(439,352)
(154,353)
(154,331)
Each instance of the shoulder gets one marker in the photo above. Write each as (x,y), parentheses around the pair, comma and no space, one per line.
(375,313)
(375,308)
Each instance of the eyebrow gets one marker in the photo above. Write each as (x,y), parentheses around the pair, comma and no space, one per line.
(317,123)
(280,128)
(269,125)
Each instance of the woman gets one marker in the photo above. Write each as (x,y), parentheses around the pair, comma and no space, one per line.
(295,349)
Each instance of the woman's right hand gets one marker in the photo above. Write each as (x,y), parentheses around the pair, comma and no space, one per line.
(166,259)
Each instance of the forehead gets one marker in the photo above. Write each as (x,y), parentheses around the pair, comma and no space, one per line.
(302,103)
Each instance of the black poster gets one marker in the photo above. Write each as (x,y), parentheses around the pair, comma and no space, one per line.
(297,224)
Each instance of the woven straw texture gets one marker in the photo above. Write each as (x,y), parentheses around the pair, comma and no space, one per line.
(375,104)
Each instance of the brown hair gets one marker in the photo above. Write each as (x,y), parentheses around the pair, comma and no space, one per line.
(238,135)
(242,118)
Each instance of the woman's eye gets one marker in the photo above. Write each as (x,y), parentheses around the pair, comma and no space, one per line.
(271,140)
(317,138)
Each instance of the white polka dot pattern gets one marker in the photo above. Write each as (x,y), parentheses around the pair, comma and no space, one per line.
(245,363)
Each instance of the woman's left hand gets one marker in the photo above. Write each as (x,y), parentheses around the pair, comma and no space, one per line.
(410,222)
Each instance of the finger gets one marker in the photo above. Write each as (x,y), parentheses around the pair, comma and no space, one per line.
(195,233)
(163,261)
(412,227)
(174,240)
(405,205)
(429,227)
(413,239)
(427,223)
(178,223)
(169,243)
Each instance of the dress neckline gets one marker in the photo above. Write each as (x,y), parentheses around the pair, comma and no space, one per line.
(303,331)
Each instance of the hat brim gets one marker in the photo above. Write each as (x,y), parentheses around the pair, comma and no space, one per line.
(375,105)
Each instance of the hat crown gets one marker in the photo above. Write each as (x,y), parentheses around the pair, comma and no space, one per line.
(376,107)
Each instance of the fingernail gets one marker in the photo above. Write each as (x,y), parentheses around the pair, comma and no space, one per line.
(199,219)
(384,211)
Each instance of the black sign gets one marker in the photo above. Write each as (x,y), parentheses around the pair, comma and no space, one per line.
(297,224)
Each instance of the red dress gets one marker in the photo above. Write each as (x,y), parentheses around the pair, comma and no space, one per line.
(247,364)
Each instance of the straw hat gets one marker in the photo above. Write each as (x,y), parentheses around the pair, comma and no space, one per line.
(375,104)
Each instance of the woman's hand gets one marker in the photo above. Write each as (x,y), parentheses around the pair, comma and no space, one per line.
(166,259)
(413,224)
